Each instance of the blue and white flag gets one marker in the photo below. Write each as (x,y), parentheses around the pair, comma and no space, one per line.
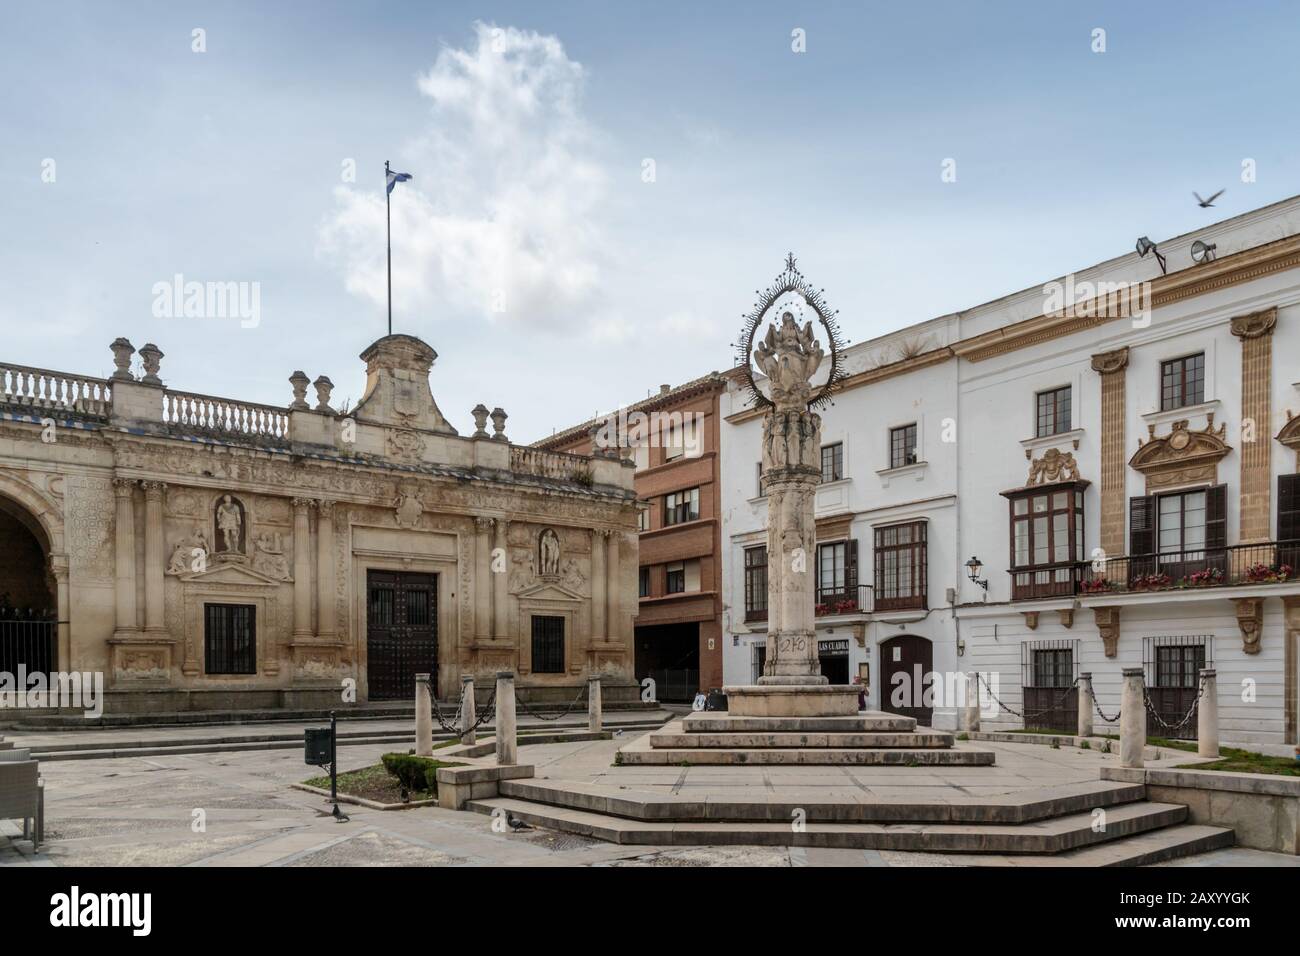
(394,178)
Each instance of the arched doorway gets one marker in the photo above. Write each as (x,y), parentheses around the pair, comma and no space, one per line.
(906,672)
(28,596)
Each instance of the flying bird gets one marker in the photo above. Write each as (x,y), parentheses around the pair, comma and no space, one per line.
(1207,203)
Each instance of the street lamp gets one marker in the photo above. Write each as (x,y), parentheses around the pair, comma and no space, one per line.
(973,568)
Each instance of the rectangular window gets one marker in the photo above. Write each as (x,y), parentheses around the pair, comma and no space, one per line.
(759,481)
(756,583)
(681,506)
(548,644)
(1047,682)
(643,582)
(230,639)
(902,446)
(675,578)
(1053,668)
(1053,411)
(1046,542)
(833,462)
(1288,520)
(1178,539)
(1181,522)
(1179,665)
(900,561)
(832,565)
(643,519)
(1182,381)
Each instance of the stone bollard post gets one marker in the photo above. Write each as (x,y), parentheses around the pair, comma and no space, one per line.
(1132,719)
(423,717)
(1207,715)
(1084,697)
(467,710)
(507,745)
(593,704)
(970,712)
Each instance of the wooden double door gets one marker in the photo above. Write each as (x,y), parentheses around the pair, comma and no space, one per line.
(401,632)
(906,670)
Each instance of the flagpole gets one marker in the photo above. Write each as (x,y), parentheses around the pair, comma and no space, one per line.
(388,215)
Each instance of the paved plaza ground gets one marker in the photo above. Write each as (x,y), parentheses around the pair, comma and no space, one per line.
(141,810)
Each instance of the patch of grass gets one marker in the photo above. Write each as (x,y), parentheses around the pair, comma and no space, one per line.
(1049,733)
(963,736)
(376,783)
(1233,760)
(1084,745)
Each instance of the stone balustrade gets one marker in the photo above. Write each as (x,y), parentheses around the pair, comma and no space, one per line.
(43,390)
(550,464)
(207,414)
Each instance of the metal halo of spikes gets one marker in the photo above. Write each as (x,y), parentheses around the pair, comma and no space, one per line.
(791,280)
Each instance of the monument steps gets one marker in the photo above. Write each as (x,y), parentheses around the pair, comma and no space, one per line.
(811,756)
(1043,837)
(860,807)
(769,741)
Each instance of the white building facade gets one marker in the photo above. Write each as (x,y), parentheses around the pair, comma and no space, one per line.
(1117,449)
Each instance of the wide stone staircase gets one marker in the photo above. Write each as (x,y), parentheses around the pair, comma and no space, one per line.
(1096,823)
(872,738)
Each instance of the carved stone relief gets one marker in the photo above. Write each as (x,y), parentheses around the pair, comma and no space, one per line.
(1054,466)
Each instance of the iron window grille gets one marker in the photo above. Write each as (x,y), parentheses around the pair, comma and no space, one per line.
(229,639)
(548,644)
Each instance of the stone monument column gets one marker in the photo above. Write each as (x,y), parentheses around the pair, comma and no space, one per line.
(302,567)
(599,630)
(154,560)
(124,556)
(613,611)
(325,626)
(483,579)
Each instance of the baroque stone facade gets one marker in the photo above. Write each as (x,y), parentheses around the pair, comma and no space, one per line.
(211,553)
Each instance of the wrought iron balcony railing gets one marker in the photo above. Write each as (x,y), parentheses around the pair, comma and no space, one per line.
(847,599)
(1265,562)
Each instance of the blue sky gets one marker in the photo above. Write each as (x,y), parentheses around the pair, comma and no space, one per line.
(529,251)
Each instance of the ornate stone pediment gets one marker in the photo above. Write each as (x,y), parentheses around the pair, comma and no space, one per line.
(235,574)
(1181,457)
(397,386)
(1290,433)
(549,591)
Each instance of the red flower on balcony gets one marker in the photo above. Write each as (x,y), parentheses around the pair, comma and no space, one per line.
(1151,582)
(1268,573)
(847,606)
(820,609)
(1206,577)
(1097,585)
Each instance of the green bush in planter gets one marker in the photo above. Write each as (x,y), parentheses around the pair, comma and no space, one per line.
(412,772)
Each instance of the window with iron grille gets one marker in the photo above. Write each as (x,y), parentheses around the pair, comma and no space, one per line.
(902,446)
(229,639)
(1179,665)
(681,506)
(900,562)
(675,578)
(548,644)
(643,582)
(755,581)
(1053,667)
(1053,411)
(833,462)
(1182,381)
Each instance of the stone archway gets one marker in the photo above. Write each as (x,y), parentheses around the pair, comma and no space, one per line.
(35,575)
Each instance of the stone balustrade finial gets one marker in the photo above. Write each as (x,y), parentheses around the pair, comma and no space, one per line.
(323,388)
(151,357)
(499,424)
(480,414)
(299,381)
(122,352)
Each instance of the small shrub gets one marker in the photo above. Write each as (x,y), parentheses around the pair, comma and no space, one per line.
(963,736)
(1084,745)
(1056,744)
(412,772)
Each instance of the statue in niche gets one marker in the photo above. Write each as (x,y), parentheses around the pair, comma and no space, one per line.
(230,525)
(548,553)
(270,559)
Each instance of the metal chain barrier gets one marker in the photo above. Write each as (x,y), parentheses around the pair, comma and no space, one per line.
(1029,716)
(1173,728)
(523,705)
(1100,713)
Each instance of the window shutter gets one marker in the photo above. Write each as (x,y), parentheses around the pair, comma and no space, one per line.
(1288,507)
(851,565)
(1216,518)
(1142,525)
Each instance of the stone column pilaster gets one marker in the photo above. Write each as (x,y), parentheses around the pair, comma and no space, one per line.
(599,543)
(59,564)
(154,558)
(1111,366)
(302,567)
(613,607)
(1290,666)
(124,557)
(325,610)
(501,585)
(1256,334)
(483,579)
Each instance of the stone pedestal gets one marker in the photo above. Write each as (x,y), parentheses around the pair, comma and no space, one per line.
(970,713)
(507,745)
(1132,719)
(467,710)
(1207,715)
(593,705)
(423,717)
(1084,724)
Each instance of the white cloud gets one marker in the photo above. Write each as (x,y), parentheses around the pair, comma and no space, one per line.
(499,221)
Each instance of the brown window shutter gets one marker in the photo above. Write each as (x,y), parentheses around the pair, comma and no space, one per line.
(1216,518)
(1288,507)
(1142,525)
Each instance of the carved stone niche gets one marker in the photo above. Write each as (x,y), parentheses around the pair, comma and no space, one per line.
(1250,618)
(1107,621)
(1181,457)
